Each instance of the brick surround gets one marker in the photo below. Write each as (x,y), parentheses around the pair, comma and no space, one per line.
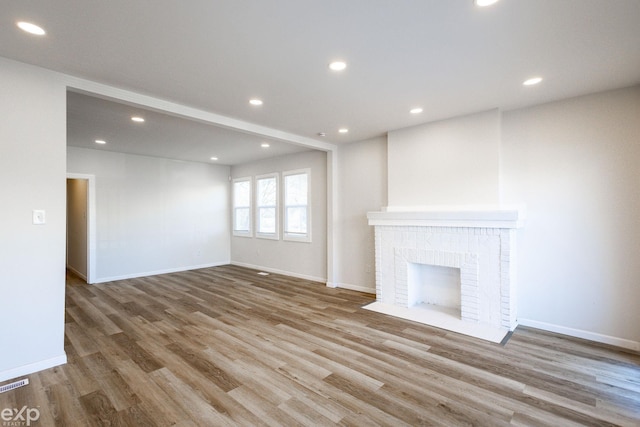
(466,262)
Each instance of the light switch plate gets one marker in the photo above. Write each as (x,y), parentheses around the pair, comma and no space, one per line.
(38,217)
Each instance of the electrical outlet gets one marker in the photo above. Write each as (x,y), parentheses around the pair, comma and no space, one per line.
(39,217)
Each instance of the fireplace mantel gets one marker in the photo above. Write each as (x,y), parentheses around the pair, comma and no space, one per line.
(476,218)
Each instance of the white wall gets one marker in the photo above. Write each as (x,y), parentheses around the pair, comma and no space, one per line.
(300,259)
(575,164)
(362,188)
(77,226)
(449,162)
(32,257)
(155,215)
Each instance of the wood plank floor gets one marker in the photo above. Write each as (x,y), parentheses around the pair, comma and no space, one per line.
(225,346)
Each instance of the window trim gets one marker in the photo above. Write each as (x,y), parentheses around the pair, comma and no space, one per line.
(296,237)
(276,234)
(242,233)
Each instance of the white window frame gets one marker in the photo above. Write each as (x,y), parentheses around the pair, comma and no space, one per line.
(242,233)
(276,208)
(286,235)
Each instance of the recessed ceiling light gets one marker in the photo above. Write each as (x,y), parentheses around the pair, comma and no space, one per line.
(343,130)
(484,3)
(100,141)
(265,145)
(532,81)
(255,101)
(338,65)
(31,28)
(214,158)
(416,110)
(137,119)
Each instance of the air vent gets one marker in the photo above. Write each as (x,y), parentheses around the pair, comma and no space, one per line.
(13,386)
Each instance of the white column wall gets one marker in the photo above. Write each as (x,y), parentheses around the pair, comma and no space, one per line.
(362,188)
(32,257)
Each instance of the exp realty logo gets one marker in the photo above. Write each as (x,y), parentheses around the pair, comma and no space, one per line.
(19,417)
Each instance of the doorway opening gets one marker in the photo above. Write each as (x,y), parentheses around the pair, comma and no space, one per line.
(80,256)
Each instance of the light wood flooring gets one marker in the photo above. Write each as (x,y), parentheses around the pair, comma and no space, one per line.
(225,346)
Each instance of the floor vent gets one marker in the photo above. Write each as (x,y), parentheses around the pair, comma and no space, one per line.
(13,386)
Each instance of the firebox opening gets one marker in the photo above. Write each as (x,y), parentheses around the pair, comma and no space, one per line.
(434,285)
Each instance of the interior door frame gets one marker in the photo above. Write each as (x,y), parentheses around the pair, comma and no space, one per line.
(91,223)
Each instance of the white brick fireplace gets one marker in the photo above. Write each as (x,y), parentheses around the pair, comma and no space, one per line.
(477,249)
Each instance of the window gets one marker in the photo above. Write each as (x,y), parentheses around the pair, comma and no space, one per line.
(242,207)
(267,206)
(297,216)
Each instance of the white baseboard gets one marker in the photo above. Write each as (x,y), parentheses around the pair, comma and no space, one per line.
(359,288)
(33,367)
(76,272)
(156,272)
(283,272)
(579,333)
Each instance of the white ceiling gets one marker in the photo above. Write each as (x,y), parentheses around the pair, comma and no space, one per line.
(162,135)
(447,56)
